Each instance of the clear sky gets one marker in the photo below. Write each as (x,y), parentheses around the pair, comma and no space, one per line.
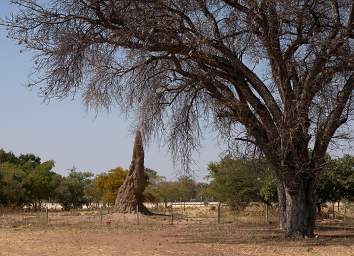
(64,131)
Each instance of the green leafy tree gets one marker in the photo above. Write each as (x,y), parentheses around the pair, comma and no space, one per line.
(186,188)
(203,193)
(160,190)
(268,187)
(40,183)
(164,192)
(233,182)
(71,191)
(240,181)
(25,180)
(152,193)
(337,180)
(14,177)
(13,191)
(92,194)
(168,192)
(8,157)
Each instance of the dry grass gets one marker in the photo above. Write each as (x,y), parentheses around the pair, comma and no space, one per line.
(164,240)
(78,234)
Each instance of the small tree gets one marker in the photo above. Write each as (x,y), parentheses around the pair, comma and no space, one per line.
(26,180)
(109,183)
(268,187)
(40,183)
(71,191)
(187,188)
(240,181)
(153,180)
(337,181)
(13,191)
(234,182)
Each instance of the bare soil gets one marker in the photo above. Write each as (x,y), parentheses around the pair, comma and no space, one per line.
(179,239)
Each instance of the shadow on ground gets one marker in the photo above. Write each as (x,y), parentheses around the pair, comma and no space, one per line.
(328,234)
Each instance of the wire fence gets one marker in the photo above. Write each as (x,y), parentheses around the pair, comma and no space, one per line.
(178,213)
(221,213)
(172,213)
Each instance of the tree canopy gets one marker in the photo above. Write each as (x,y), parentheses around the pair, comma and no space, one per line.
(278,73)
(25,180)
(337,180)
(108,184)
(241,181)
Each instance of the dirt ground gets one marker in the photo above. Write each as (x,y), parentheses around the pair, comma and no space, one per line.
(176,240)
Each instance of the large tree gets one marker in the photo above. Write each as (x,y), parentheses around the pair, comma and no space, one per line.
(186,61)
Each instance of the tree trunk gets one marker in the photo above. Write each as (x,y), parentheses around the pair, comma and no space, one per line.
(319,212)
(301,208)
(130,194)
(282,205)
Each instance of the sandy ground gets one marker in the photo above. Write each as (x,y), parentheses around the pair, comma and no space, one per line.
(174,240)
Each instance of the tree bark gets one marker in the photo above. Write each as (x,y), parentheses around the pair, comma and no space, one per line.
(300,208)
(130,194)
(282,205)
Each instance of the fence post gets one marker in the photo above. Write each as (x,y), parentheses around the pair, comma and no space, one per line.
(101,217)
(24,217)
(137,214)
(266,213)
(345,212)
(219,212)
(171,214)
(46,216)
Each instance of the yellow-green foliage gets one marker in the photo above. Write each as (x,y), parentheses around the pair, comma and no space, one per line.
(109,182)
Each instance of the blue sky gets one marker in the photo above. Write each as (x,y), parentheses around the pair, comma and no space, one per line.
(64,131)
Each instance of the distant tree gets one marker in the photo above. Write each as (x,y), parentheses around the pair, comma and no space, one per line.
(93,195)
(203,193)
(152,177)
(151,193)
(234,182)
(268,187)
(159,190)
(29,160)
(2,195)
(71,191)
(167,191)
(12,179)
(8,157)
(186,188)
(26,180)
(108,184)
(337,180)
(240,181)
(40,183)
